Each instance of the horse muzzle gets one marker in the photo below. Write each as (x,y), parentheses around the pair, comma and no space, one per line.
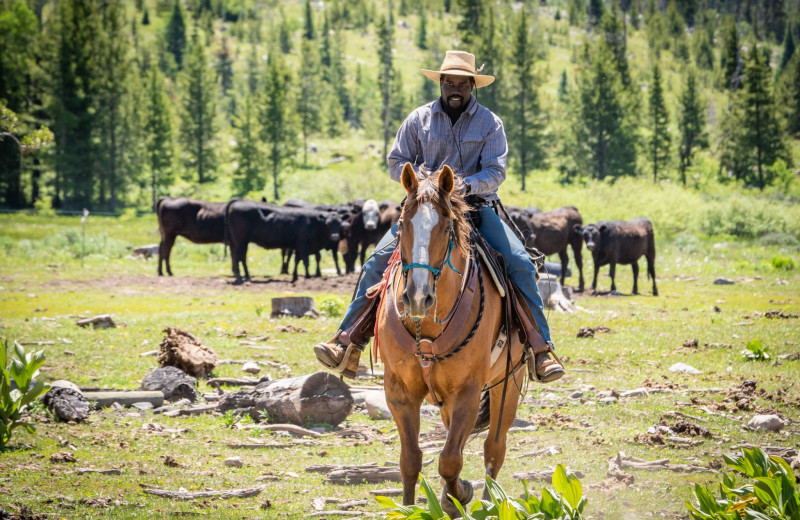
(418,303)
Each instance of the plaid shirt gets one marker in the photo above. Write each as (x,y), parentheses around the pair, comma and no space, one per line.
(475,147)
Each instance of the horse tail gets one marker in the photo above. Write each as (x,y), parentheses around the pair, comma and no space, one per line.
(482,422)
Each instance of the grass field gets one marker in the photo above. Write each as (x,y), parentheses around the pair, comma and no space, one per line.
(45,288)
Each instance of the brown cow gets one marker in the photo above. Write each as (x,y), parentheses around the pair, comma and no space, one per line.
(553,231)
(621,242)
(196,220)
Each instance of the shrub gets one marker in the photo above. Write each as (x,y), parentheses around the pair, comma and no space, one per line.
(565,503)
(331,306)
(756,351)
(44,207)
(772,495)
(783,263)
(22,371)
(779,239)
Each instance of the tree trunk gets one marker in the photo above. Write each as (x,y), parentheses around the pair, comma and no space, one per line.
(315,398)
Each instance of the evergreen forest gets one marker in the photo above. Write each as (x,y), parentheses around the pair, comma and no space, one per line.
(109,105)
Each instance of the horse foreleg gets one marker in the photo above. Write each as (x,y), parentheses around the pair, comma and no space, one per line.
(459,417)
(405,405)
(494,453)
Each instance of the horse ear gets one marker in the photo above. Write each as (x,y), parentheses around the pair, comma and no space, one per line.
(409,178)
(446,180)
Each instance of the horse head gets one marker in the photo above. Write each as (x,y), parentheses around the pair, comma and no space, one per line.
(432,235)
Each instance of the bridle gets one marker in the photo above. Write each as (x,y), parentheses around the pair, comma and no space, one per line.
(436,272)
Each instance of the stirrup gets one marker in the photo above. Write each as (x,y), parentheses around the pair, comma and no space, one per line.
(343,367)
(557,366)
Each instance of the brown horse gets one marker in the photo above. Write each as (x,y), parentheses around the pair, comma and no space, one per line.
(439,318)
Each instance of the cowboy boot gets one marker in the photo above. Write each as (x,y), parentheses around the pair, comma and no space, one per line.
(338,357)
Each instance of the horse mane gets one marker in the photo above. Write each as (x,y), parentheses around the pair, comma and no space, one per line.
(428,191)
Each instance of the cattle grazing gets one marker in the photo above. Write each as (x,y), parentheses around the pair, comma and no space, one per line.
(306,231)
(198,221)
(369,224)
(554,231)
(621,242)
(343,212)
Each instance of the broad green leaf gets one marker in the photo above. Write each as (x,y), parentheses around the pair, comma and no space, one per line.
(386,501)
(550,505)
(567,485)
(768,491)
(496,493)
(434,506)
(464,514)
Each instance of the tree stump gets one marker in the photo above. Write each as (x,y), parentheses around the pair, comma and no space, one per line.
(183,350)
(297,306)
(67,403)
(552,294)
(314,398)
(173,382)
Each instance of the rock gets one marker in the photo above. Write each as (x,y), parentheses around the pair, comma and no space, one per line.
(102,321)
(550,396)
(251,367)
(377,409)
(63,383)
(143,405)
(723,281)
(233,462)
(67,403)
(607,400)
(576,395)
(636,392)
(684,369)
(770,423)
(172,382)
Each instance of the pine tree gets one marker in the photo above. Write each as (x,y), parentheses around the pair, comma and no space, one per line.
(325,49)
(146,17)
(469,26)
(731,62)
(284,35)
(793,96)
(277,129)
(576,11)
(762,134)
(113,93)
(691,124)
(309,94)
(595,12)
(20,29)
(73,69)
(604,139)
(614,32)
(563,92)
(659,120)
(247,176)
(224,68)
(491,57)
(525,127)
(158,135)
(384,34)
(176,34)
(788,49)
(422,35)
(308,22)
(198,114)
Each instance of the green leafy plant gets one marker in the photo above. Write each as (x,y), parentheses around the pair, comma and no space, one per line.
(229,419)
(331,306)
(260,309)
(566,502)
(782,263)
(756,351)
(771,495)
(13,402)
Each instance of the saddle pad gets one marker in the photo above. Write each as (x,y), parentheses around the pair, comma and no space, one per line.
(487,254)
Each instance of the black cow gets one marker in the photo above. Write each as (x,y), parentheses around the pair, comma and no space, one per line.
(344,213)
(305,231)
(554,231)
(369,224)
(196,220)
(621,242)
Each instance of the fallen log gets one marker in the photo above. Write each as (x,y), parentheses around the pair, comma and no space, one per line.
(191,495)
(67,403)
(102,321)
(236,381)
(363,475)
(106,399)
(81,471)
(317,398)
(545,475)
(623,461)
(195,410)
(327,468)
(291,428)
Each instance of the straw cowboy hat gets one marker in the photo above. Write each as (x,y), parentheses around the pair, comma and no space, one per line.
(459,63)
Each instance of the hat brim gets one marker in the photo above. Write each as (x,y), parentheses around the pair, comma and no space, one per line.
(480,79)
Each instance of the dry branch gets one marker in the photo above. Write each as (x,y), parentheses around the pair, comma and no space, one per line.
(291,428)
(623,461)
(362,475)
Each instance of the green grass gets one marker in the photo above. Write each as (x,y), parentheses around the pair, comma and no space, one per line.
(45,290)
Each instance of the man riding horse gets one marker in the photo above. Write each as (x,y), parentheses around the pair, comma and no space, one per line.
(457,131)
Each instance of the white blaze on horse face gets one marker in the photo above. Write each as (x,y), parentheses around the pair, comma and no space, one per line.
(423,222)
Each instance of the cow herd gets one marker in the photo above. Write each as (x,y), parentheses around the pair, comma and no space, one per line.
(301,230)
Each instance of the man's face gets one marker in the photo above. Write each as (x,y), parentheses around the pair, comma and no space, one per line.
(456,90)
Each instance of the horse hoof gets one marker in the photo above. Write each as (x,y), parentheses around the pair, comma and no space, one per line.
(449,507)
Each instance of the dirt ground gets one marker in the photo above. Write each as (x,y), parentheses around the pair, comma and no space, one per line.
(132,283)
